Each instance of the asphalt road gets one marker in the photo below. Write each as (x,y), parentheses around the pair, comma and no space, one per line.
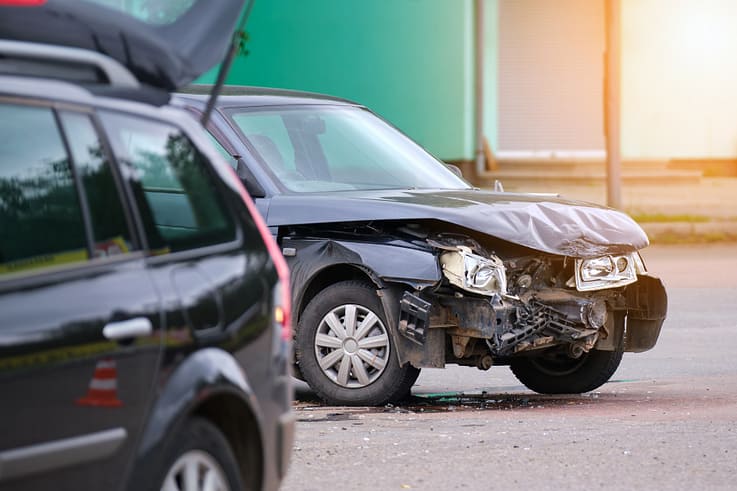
(666,420)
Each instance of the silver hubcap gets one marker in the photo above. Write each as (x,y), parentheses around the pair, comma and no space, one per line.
(195,471)
(352,346)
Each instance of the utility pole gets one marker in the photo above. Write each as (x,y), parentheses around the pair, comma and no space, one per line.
(612,74)
(479,86)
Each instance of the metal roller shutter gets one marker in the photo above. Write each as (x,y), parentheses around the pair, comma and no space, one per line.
(550,76)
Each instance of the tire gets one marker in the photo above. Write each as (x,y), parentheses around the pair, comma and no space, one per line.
(199,455)
(560,374)
(345,349)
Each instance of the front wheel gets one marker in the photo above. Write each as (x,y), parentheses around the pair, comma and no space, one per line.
(557,373)
(345,350)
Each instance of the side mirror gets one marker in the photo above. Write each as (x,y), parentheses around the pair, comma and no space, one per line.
(455,170)
(248,180)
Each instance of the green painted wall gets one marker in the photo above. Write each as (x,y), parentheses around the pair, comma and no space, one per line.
(411,61)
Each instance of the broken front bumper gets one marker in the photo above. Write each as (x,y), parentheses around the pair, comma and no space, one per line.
(647,306)
(541,320)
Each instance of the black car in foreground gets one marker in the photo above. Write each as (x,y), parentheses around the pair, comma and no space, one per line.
(398,264)
(144,309)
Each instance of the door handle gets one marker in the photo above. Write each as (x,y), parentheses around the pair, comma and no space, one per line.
(131,328)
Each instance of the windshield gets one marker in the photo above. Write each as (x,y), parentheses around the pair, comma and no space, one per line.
(329,148)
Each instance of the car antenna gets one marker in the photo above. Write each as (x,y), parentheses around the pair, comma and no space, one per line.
(225,65)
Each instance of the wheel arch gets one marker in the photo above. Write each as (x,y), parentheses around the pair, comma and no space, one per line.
(330,275)
(210,384)
(235,419)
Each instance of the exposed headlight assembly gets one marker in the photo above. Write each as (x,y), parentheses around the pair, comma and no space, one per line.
(474,273)
(603,272)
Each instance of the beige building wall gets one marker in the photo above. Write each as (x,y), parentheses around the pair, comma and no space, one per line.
(679,78)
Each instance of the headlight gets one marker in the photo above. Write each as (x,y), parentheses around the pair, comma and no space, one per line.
(639,263)
(474,273)
(606,271)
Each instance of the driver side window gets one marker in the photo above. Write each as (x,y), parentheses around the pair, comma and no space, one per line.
(268,135)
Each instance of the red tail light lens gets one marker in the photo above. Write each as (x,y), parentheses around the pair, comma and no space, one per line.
(22,3)
(282,310)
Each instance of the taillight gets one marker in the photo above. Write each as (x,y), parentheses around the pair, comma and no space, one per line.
(282,310)
(282,306)
(22,3)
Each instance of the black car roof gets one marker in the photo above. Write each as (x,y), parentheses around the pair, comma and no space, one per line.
(247,96)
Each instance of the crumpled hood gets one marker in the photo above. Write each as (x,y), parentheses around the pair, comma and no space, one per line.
(544,223)
(166,55)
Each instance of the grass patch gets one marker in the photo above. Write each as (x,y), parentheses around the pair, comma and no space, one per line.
(707,238)
(665,218)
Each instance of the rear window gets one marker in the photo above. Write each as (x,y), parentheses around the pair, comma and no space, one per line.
(180,204)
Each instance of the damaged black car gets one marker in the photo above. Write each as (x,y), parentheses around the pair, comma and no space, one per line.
(398,264)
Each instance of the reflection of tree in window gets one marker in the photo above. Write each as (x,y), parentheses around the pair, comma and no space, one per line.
(109,226)
(154,171)
(108,218)
(40,216)
(194,180)
(36,204)
(180,205)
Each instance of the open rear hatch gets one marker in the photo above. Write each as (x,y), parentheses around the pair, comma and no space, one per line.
(165,44)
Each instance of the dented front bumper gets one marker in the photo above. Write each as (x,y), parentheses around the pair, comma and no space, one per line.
(647,306)
(442,328)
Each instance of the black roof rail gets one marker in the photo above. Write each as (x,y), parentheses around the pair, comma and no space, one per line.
(76,65)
